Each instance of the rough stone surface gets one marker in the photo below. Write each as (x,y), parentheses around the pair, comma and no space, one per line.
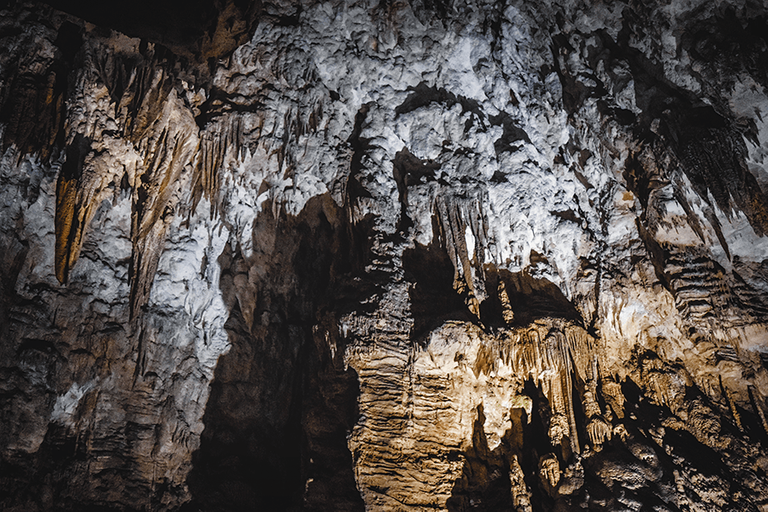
(385,256)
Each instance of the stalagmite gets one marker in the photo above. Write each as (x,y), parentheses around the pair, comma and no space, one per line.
(521,495)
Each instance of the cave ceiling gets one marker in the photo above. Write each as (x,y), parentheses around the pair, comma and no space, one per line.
(443,255)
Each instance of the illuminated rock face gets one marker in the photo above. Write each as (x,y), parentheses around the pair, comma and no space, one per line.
(386,256)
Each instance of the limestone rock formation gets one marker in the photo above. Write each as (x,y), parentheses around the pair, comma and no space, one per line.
(384,255)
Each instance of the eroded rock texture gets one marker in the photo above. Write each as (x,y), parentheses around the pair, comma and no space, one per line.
(385,256)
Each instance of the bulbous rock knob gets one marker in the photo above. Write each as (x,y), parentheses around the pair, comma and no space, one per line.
(599,431)
(558,428)
(549,470)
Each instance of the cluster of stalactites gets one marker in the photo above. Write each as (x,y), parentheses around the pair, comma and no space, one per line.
(464,230)
(559,357)
(155,146)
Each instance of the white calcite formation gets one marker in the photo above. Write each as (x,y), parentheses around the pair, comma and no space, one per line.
(387,256)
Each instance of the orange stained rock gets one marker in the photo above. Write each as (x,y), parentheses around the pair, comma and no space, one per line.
(66,195)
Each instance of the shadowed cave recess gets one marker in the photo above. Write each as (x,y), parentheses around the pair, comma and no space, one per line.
(383,255)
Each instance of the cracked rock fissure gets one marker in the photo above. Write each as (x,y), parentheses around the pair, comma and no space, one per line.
(384,255)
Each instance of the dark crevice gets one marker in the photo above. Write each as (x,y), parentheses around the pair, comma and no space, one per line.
(220,103)
(530,298)
(432,295)
(200,29)
(354,189)
(281,403)
(409,170)
(656,254)
(730,41)
(425,10)
(511,133)
(423,95)
(484,484)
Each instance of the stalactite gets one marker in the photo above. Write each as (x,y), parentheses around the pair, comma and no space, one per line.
(144,108)
(166,159)
(734,412)
(506,310)
(758,406)
(459,217)
(218,141)
(574,434)
(68,234)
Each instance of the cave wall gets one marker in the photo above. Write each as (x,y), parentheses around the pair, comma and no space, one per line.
(384,256)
